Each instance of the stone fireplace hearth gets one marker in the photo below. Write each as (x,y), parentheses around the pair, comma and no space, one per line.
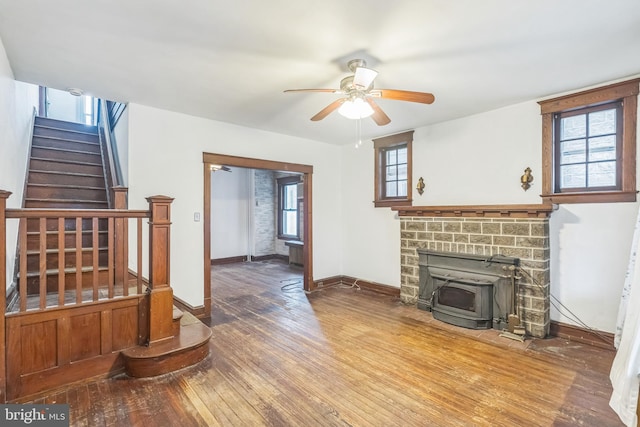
(519,231)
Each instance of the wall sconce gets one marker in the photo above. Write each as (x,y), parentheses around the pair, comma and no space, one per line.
(526,179)
(420,186)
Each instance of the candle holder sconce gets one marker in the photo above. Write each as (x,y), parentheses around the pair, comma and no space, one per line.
(526,179)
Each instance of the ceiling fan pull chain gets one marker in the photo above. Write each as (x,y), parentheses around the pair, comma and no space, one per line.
(358,132)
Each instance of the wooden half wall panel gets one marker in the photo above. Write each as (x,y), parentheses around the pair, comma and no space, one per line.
(84,341)
(48,349)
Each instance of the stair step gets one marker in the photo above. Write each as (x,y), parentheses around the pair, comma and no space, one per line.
(71,232)
(61,165)
(67,192)
(186,349)
(89,139)
(69,271)
(45,128)
(65,179)
(66,250)
(67,186)
(63,200)
(177,317)
(64,154)
(61,124)
(65,204)
(41,141)
(52,259)
(75,174)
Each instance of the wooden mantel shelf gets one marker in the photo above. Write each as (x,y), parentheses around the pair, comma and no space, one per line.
(478,211)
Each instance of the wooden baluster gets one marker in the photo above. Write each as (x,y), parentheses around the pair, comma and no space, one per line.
(111,260)
(78,260)
(139,256)
(4,195)
(96,259)
(43,263)
(161,296)
(23,264)
(120,202)
(61,261)
(125,256)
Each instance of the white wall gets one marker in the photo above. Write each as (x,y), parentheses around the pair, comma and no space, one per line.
(165,157)
(17,101)
(479,160)
(590,246)
(466,161)
(230,200)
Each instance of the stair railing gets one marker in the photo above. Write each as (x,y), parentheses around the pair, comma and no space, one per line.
(80,235)
(113,172)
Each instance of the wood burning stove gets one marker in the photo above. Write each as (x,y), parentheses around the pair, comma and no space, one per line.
(472,291)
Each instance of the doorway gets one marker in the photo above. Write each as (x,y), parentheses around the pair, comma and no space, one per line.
(213,162)
(68,107)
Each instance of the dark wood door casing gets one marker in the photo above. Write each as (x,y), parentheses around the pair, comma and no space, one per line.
(210,159)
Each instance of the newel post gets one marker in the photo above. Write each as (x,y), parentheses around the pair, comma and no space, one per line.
(161,294)
(120,197)
(4,195)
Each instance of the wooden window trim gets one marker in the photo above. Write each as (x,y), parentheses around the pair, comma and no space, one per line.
(281,182)
(379,144)
(627,92)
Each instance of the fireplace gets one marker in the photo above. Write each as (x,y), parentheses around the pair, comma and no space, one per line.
(472,291)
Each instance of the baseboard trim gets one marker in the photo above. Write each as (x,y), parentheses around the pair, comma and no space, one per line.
(363,284)
(185,306)
(229,260)
(581,335)
(198,311)
(268,257)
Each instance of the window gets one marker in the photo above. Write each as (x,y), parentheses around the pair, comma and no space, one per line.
(589,145)
(393,170)
(288,224)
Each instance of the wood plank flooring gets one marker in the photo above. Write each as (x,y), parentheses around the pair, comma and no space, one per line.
(348,357)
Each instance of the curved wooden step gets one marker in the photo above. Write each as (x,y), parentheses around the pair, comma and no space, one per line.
(188,348)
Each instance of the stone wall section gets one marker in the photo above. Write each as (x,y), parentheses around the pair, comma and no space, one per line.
(524,238)
(264,213)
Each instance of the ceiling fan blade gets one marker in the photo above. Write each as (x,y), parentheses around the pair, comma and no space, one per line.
(378,116)
(328,109)
(404,95)
(314,90)
(363,77)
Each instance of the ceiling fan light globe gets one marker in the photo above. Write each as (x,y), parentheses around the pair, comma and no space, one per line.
(355,109)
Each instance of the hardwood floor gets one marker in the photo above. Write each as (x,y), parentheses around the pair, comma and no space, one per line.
(348,357)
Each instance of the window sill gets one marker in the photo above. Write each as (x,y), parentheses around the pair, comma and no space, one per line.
(392,202)
(591,197)
(288,237)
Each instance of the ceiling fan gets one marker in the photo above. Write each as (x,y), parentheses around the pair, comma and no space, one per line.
(359,100)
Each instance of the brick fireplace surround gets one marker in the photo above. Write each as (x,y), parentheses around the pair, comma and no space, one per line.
(520,231)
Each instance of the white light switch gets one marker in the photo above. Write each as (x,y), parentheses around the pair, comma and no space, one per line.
(196,216)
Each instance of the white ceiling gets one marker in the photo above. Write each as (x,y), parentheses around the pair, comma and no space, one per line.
(231,60)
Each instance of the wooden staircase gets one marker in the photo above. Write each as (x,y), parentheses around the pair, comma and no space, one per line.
(66,169)
(79,309)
